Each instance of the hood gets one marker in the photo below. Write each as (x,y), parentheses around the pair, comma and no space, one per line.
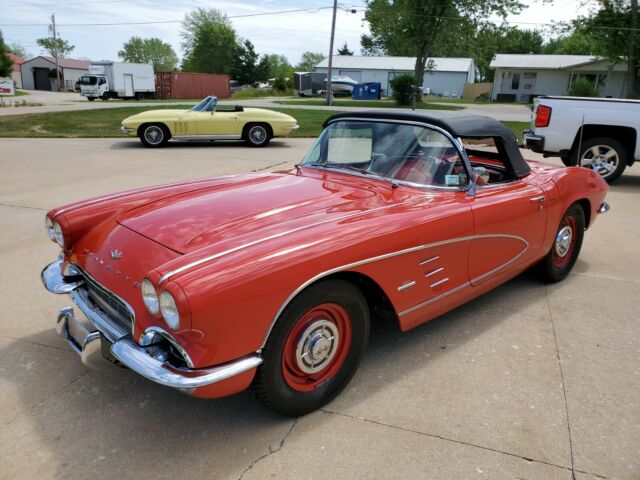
(158,114)
(246,207)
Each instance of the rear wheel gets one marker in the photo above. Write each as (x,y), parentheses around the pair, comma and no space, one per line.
(91,99)
(314,349)
(154,135)
(257,135)
(604,155)
(139,96)
(566,246)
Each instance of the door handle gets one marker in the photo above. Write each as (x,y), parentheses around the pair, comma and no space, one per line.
(541,198)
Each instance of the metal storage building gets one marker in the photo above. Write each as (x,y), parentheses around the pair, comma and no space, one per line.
(39,73)
(444,76)
(521,77)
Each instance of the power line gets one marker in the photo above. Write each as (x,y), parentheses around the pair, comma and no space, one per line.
(314,10)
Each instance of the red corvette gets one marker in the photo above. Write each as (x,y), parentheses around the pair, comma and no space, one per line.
(270,279)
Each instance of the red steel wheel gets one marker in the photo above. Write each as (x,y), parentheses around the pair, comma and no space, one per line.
(314,348)
(559,261)
(317,347)
(565,242)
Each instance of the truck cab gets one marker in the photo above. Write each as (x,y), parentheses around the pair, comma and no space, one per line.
(94,86)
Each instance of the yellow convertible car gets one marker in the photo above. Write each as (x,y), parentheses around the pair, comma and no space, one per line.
(207,121)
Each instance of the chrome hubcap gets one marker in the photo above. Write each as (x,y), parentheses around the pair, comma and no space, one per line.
(563,241)
(153,135)
(258,134)
(601,158)
(317,346)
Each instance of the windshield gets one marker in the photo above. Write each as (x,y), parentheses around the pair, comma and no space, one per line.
(88,80)
(404,153)
(208,104)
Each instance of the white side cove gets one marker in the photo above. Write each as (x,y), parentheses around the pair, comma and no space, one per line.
(402,252)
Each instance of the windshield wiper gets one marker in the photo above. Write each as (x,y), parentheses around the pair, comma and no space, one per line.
(362,171)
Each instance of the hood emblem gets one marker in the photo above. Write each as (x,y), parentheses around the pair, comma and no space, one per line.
(116,254)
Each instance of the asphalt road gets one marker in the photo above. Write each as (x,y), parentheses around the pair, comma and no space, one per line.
(67,101)
(529,381)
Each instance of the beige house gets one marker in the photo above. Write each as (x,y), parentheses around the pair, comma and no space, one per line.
(39,73)
(16,75)
(521,77)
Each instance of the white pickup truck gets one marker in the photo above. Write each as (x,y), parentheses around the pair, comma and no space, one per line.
(598,133)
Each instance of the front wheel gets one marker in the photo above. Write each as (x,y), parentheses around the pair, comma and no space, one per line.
(566,246)
(314,348)
(91,99)
(604,155)
(154,136)
(257,135)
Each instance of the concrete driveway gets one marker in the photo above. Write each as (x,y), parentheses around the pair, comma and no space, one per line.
(529,381)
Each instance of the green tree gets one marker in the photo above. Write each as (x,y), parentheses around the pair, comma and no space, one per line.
(421,28)
(344,50)
(308,61)
(581,87)
(401,86)
(56,47)
(247,68)
(208,41)
(573,41)
(5,62)
(149,50)
(19,51)
(277,66)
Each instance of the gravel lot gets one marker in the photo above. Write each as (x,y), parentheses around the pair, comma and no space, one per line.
(529,381)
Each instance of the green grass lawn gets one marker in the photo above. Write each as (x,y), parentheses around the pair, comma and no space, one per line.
(106,122)
(367,104)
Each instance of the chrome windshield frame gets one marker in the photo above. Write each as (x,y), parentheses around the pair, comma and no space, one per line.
(469,187)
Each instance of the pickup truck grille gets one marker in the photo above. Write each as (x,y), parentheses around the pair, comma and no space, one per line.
(108,302)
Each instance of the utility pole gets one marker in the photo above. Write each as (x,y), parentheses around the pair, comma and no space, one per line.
(329,70)
(634,62)
(52,28)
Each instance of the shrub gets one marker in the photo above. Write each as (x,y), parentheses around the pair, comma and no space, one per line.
(401,86)
(581,87)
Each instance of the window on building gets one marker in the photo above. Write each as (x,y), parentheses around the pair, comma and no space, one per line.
(515,81)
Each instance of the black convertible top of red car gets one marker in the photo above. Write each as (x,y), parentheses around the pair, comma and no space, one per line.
(465,126)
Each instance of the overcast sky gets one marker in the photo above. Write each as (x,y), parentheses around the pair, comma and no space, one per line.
(289,34)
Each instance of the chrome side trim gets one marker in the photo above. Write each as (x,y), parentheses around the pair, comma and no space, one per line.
(137,359)
(394,254)
(428,260)
(406,285)
(209,258)
(439,282)
(434,299)
(433,272)
(206,137)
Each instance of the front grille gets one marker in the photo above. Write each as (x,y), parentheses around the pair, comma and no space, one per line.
(108,302)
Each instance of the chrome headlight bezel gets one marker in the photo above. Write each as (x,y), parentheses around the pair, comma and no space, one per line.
(48,225)
(150,296)
(169,310)
(58,234)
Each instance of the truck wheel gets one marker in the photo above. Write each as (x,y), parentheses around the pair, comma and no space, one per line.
(154,135)
(139,96)
(606,156)
(257,135)
(91,99)
(314,349)
(105,97)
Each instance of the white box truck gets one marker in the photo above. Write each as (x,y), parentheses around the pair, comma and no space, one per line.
(107,80)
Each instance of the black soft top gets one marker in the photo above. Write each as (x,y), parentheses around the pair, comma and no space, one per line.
(460,125)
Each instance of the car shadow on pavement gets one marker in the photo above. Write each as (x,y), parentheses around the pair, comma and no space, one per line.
(114,423)
(132,143)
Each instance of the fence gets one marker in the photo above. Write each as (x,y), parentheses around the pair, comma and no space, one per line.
(474,90)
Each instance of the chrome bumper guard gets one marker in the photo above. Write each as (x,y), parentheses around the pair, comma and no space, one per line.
(604,208)
(126,131)
(99,338)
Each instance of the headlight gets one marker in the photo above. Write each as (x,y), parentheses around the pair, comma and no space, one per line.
(150,296)
(169,310)
(48,225)
(58,236)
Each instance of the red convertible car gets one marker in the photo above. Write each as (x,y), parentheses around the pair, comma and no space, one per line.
(270,279)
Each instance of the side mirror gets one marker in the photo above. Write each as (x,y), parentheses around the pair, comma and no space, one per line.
(480,175)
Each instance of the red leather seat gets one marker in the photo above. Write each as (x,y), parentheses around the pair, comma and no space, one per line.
(414,171)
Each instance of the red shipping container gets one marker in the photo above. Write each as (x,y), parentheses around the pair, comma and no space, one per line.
(192,85)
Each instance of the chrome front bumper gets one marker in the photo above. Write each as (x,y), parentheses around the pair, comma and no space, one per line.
(127,131)
(97,338)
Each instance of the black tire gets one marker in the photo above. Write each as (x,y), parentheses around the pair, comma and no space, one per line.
(273,385)
(91,99)
(257,135)
(555,266)
(139,96)
(105,97)
(153,135)
(609,154)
